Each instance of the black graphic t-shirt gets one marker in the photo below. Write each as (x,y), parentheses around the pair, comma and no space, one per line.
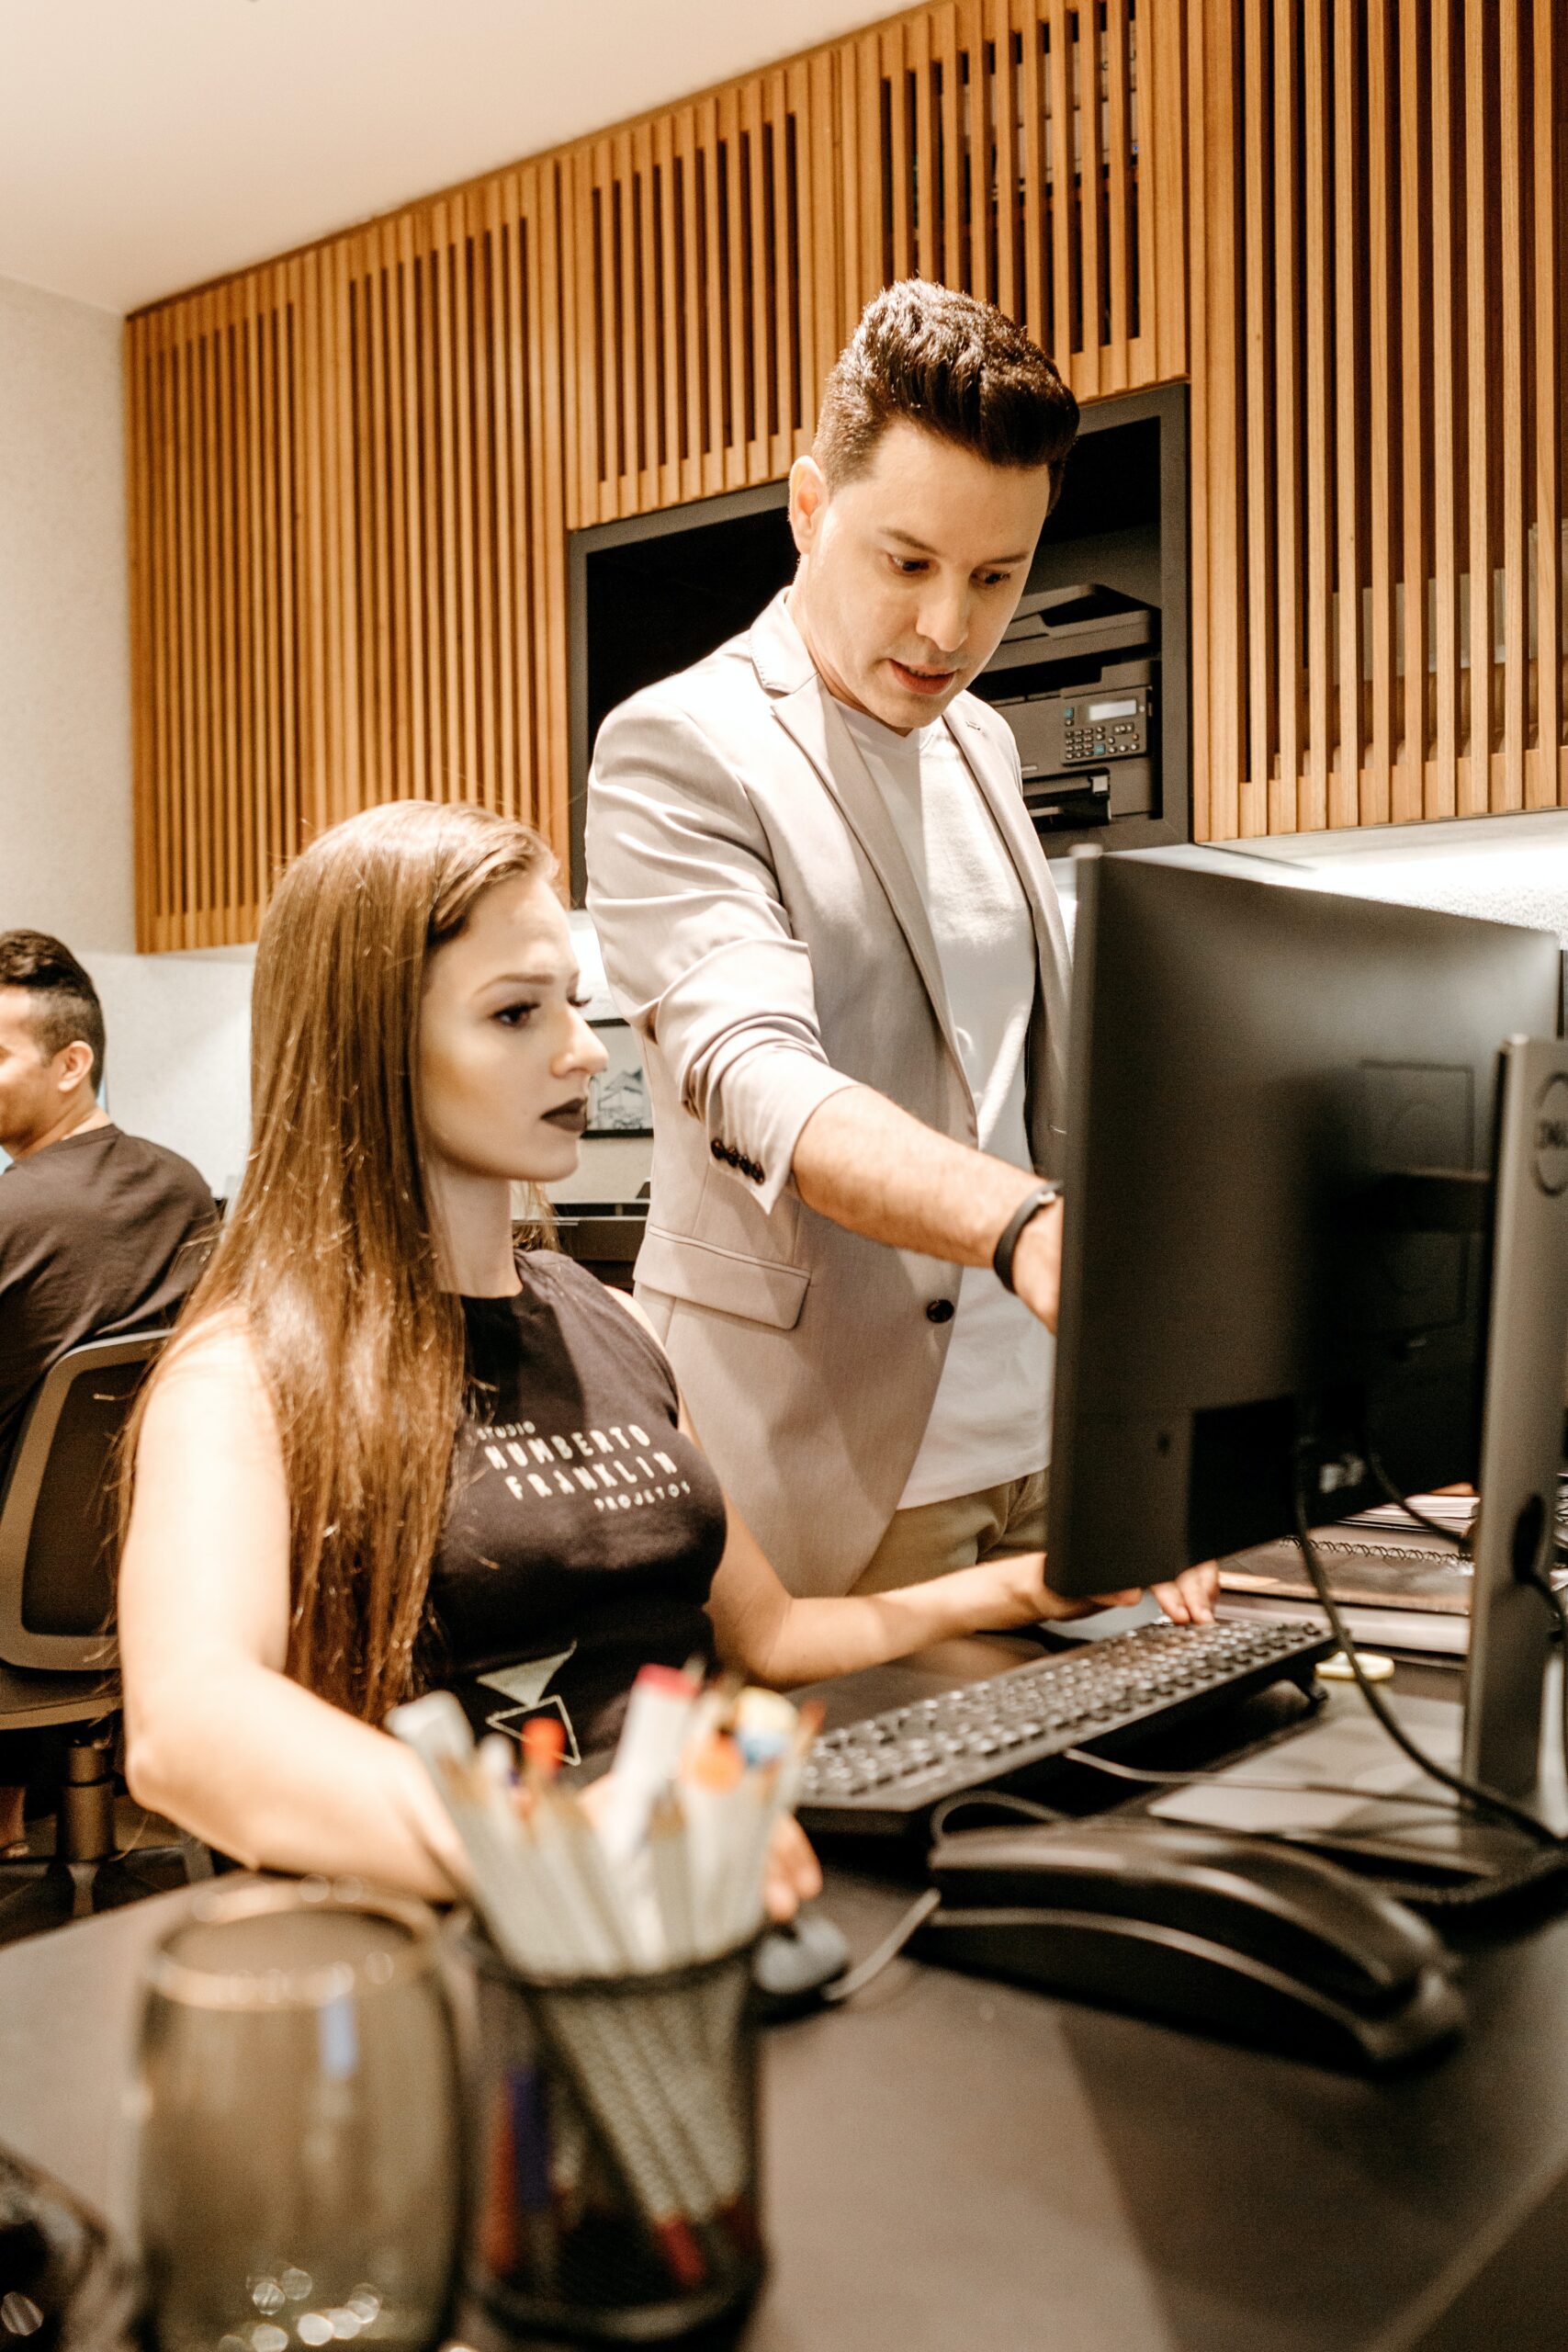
(583,1530)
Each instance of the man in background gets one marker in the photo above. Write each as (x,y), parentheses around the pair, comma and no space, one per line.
(101,1233)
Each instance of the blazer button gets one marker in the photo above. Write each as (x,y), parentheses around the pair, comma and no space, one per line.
(940,1311)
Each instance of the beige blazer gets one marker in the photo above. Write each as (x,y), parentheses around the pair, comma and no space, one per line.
(763,933)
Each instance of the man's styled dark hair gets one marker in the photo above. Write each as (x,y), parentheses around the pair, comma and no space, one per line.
(66,1008)
(953,366)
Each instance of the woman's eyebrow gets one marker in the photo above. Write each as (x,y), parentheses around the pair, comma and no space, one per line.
(572,980)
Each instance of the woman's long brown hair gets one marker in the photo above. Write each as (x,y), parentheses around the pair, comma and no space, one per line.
(328,1256)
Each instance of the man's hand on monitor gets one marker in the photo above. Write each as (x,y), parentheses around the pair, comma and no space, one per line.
(1016,1592)
(1037,1263)
(1189,1598)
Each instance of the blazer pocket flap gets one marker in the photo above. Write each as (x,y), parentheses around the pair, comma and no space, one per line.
(704,1275)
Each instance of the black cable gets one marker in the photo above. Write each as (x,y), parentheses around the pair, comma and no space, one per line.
(887,1951)
(1461,1542)
(1470,1792)
(1223,1779)
(1000,1800)
(1556,1603)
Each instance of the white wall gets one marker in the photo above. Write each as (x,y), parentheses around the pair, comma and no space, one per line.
(65,836)
(177,1026)
(1503,869)
(179,1045)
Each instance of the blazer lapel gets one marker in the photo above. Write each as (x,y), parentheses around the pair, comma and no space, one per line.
(804,710)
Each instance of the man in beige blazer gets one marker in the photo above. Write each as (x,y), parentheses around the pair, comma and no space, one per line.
(823,907)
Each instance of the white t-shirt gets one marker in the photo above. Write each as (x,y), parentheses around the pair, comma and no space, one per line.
(991,1418)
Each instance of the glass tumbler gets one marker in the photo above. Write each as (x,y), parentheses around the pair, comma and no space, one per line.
(296,2106)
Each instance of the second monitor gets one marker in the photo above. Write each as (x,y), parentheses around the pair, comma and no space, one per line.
(1281,1139)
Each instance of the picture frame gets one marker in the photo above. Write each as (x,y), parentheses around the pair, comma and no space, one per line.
(617,1098)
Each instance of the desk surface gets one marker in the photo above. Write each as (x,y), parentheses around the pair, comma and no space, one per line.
(952,2164)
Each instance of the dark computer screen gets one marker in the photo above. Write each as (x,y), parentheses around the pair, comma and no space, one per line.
(1251,1063)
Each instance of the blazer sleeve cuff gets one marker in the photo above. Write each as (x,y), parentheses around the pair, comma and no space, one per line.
(765,1098)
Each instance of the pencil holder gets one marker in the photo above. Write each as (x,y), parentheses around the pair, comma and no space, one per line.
(614,2146)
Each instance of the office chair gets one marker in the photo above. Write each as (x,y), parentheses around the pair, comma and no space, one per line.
(58,1656)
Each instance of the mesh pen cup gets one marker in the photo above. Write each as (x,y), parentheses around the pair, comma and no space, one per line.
(613,2127)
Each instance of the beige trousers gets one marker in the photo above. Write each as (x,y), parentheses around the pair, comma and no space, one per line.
(933,1539)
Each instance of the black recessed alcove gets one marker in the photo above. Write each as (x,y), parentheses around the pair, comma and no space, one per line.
(653,594)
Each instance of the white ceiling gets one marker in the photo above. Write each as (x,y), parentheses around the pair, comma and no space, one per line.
(148,144)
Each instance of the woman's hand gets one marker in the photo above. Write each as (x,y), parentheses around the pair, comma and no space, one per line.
(794,1875)
(1023,1596)
(1189,1601)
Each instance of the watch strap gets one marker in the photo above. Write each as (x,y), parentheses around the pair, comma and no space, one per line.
(1028,1208)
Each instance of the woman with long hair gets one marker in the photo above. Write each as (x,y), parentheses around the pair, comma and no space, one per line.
(385,1452)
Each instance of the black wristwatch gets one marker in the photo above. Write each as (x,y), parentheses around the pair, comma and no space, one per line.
(1028,1208)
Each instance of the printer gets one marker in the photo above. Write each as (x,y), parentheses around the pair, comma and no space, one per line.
(1077,677)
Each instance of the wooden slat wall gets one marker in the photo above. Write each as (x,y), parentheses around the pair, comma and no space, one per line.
(354,469)
(349,548)
(1377,431)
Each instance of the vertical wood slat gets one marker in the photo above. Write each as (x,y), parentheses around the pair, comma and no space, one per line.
(504,235)
(975,183)
(1064,199)
(1475,771)
(1381,191)
(1036,311)
(484,400)
(1414,136)
(1118,182)
(548,785)
(1087,51)
(1346,229)
(1252,815)
(671,324)
(139,361)
(1007,292)
(911,44)
(1316,116)
(1443,794)
(1162,73)
(947,128)
(692,321)
(1217,762)
(753,279)
(1282,495)
(1510,789)
(400,364)
(1547,783)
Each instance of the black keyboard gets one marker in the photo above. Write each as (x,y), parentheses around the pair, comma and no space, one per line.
(881,1774)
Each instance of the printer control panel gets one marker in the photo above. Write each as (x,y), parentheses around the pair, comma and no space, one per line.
(1108,726)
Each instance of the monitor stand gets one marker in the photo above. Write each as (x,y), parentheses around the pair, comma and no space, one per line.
(1521,1439)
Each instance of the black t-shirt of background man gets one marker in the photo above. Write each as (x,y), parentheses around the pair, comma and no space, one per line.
(100,1234)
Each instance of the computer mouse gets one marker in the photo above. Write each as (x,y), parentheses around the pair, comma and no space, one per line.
(1239,1936)
(794,1964)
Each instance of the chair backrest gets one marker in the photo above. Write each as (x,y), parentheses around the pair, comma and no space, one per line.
(58,1529)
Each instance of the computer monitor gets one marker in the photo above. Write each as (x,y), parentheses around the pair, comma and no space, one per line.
(1284,1108)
